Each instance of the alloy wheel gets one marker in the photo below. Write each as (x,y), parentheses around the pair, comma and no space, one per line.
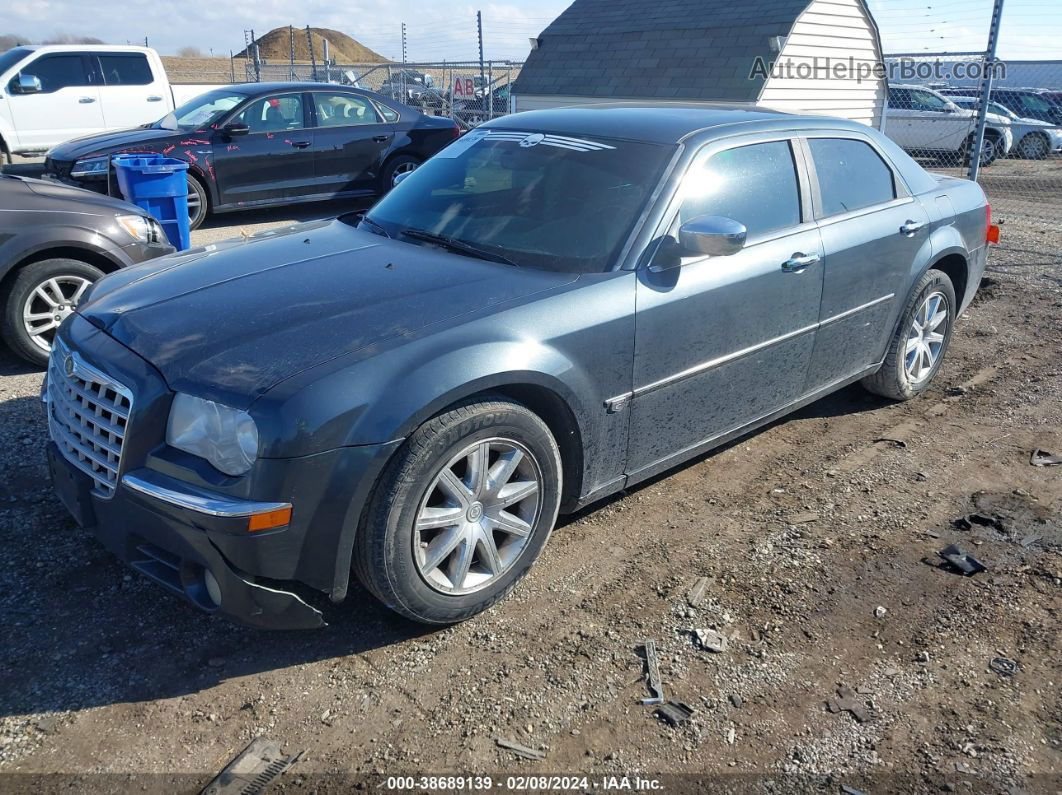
(402,168)
(477,516)
(49,304)
(1034,148)
(195,204)
(926,338)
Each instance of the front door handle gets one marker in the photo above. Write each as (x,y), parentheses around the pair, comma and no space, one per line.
(86,100)
(911,227)
(381,138)
(154,98)
(799,261)
(300,144)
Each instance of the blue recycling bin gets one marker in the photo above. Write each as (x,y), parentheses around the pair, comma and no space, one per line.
(159,185)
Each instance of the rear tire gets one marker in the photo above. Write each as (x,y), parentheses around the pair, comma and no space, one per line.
(447,533)
(38,297)
(917,349)
(395,166)
(198,203)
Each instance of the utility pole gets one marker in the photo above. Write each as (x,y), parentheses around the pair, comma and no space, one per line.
(986,88)
(404,42)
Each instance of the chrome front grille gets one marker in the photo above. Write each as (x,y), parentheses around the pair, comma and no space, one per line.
(88,413)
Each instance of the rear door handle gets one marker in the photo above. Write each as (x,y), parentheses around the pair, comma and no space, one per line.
(381,138)
(911,227)
(86,100)
(300,144)
(799,261)
(154,99)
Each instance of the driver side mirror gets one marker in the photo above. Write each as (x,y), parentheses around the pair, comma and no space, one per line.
(235,128)
(712,235)
(28,84)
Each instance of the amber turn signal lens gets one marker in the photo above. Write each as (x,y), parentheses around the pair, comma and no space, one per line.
(269,520)
(993,234)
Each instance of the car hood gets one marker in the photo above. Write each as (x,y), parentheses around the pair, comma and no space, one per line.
(63,198)
(230,321)
(141,138)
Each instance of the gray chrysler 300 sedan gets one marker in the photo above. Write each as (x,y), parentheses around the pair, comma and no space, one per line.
(558,305)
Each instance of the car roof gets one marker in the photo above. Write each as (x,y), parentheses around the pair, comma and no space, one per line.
(661,123)
(306,85)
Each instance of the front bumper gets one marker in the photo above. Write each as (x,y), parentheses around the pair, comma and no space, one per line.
(181,524)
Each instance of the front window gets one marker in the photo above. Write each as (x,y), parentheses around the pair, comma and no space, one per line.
(205,109)
(554,202)
(57,72)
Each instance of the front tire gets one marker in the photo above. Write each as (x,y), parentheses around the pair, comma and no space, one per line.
(37,299)
(461,512)
(1034,146)
(917,349)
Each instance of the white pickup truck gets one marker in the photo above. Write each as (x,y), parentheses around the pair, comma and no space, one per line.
(52,93)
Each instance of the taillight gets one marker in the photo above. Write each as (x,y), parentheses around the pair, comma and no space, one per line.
(991,230)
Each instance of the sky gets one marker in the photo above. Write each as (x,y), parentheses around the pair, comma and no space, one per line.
(443,29)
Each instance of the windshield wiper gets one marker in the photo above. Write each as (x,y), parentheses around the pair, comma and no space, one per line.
(460,246)
(377,228)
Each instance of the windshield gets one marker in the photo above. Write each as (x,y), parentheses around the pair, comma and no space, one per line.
(202,111)
(544,201)
(12,57)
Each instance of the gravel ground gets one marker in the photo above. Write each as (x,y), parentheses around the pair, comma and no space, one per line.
(818,548)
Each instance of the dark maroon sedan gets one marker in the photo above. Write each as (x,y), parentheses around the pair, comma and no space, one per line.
(268,144)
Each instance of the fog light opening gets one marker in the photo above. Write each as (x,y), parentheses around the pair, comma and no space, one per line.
(213,588)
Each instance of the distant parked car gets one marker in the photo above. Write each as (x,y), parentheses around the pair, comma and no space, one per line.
(55,242)
(926,123)
(268,144)
(1034,139)
(51,93)
(483,107)
(557,306)
(1029,103)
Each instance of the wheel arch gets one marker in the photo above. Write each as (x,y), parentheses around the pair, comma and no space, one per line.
(98,258)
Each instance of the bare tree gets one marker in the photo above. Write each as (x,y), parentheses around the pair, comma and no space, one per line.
(190,52)
(9,40)
(70,38)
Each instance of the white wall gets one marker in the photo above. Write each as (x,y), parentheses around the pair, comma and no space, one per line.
(836,30)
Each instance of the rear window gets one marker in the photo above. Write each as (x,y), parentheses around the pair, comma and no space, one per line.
(852,175)
(121,69)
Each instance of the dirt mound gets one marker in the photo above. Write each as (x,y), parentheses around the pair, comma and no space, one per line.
(276,46)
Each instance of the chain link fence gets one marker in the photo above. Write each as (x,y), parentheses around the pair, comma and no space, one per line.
(933,107)
(470,92)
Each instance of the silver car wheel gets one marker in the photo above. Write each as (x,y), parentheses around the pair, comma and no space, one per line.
(49,304)
(477,516)
(926,338)
(403,168)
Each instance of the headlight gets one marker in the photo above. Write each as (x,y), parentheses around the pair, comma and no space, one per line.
(91,167)
(142,227)
(226,437)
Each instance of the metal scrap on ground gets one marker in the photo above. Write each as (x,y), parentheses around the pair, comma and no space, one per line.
(675,712)
(1004,667)
(518,749)
(960,561)
(847,701)
(711,640)
(1041,458)
(652,674)
(256,767)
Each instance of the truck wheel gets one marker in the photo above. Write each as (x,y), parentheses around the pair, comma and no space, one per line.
(1034,146)
(461,512)
(198,203)
(393,168)
(917,348)
(39,297)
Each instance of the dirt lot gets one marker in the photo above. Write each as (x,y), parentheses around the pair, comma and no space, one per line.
(819,546)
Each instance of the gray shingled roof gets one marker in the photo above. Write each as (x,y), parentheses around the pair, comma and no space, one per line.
(667,49)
